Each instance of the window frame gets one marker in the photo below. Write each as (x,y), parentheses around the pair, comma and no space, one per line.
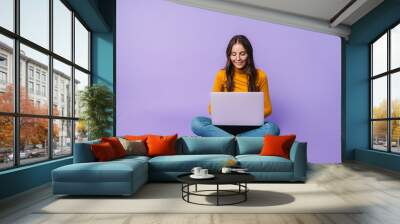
(16,114)
(388,74)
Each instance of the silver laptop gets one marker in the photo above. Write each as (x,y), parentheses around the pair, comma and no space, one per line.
(237,108)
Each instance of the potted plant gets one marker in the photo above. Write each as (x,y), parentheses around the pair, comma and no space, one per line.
(97,106)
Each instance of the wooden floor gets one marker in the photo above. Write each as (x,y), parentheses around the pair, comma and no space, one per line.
(377,188)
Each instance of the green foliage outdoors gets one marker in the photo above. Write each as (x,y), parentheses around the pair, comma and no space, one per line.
(97,105)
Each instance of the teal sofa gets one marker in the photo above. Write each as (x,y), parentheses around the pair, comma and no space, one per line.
(125,176)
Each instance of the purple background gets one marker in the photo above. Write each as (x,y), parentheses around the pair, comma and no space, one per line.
(168,55)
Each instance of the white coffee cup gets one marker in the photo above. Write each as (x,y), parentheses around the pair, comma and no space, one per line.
(196,170)
(203,172)
(226,170)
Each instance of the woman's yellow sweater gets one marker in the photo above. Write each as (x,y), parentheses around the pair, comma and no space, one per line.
(240,84)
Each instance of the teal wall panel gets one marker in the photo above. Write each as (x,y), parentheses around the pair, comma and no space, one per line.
(357,99)
(357,85)
(24,178)
(377,158)
(102,58)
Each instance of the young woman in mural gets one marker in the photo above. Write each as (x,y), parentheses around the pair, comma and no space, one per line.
(239,75)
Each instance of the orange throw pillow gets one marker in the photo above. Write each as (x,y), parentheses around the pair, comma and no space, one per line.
(136,137)
(161,145)
(103,152)
(277,145)
(116,145)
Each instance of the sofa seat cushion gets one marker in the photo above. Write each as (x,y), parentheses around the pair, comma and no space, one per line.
(133,158)
(257,163)
(184,163)
(111,171)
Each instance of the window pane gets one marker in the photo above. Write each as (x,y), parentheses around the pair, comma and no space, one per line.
(34,79)
(7,14)
(81,131)
(395,47)
(6,142)
(379,55)
(62,29)
(62,138)
(62,89)
(379,100)
(395,94)
(395,135)
(33,139)
(6,74)
(35,21)
(81,45)
(81,81)
(379,135)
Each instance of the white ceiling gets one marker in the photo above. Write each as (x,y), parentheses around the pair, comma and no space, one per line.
(318,9)
(317,15)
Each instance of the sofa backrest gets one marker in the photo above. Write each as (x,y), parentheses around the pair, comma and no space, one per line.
(249,145)
(83,152)
(206,145)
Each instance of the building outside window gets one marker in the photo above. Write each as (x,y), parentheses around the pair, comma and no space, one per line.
(3,72)
(38,89)
(34,79)
(43,90)
(44,77)
(3,61)
(30,72)
(3,77)
(30,87)
(37,75)
(385,91)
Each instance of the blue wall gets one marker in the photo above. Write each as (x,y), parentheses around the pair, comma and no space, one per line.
(103,62)
(24,178)
(357,84)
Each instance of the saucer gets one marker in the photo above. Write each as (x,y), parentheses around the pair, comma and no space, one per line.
(208,176)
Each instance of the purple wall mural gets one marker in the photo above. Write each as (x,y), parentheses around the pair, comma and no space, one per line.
(168,55)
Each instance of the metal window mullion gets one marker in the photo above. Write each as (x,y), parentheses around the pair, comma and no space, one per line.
(16,85)
(371,133)
(389,149)
(73,82)
(89,54)
(50,87)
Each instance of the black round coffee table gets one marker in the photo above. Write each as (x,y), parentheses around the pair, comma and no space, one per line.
(238,179)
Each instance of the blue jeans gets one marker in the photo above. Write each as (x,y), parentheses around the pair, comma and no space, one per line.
(202,126)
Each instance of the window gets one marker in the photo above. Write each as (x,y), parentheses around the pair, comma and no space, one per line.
(6,74)
(38,74)
(81,45)
(7,14)
(62,74)
(44,91)
(44,131)
(30,72)
(34,21)
(3,61)
(81,81)
(37,89)
(30,87)
(6,142)
(385,94)
(3,78)
(3,72)
(62,29)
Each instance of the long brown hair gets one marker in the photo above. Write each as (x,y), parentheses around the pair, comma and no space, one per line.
(249,69)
